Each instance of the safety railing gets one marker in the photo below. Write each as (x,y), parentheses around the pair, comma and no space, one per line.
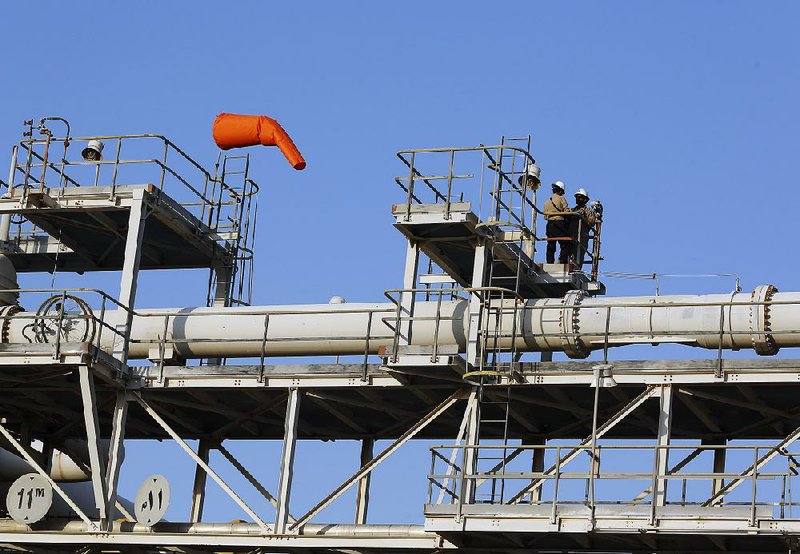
(553,476)
(489,177)
(138,159)
(491,343)
(502,329)
(506,329)
(494,181)
(69,316)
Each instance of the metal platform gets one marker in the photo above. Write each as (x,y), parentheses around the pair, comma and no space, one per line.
(449,234)
(536,456)
(86,228)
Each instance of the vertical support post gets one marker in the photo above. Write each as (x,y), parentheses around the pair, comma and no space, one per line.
(287,461)
(537,466)
(470,460)
(199,486)
(720,455)
(115,453)
(222,296)
(362,490)
(407,298)
(130,265)
(474,350)
(663,441)
(96,461)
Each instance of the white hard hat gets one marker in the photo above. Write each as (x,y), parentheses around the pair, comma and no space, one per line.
(582,192)
(561,185)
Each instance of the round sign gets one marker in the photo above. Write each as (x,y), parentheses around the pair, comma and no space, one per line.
(152,500)
(29,498)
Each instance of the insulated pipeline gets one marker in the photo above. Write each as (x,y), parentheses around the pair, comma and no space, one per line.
(763,320)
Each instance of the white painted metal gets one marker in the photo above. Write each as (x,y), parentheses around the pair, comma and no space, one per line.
(287,461)
(324,329)
(96,459)
(663,440)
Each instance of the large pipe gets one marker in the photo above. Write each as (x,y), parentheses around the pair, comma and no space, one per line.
(237,131)
(764,320)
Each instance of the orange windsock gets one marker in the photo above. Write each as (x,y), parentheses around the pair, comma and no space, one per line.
(235,131)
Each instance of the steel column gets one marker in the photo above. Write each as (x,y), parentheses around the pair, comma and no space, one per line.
(408,299)
(287,461)
(662,443)
(130,266)
(96,460)
(199,486)
(114,465)
(362,489)
(474,350)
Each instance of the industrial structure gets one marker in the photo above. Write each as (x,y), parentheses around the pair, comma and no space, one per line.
(535,454)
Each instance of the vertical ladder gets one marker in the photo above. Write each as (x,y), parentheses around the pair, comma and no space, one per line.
(496,370)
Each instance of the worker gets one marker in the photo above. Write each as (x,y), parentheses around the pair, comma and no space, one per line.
(582,222)
(555,212)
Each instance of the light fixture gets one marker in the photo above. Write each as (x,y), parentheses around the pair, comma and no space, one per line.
(603,376)
(93,151)
(530,177)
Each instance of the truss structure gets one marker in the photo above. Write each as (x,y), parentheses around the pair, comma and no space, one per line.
(632,456)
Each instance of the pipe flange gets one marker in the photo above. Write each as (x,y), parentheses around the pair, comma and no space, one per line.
(761,339)
(6,312)
(569,323)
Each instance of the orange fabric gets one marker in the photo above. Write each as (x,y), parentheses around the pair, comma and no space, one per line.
(236,131)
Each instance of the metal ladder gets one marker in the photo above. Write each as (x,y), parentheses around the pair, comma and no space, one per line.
(496,372)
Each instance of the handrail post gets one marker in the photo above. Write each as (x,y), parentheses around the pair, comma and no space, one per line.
(553,513)
(449,186)
(410,188)
(366,347)
(57,352)
(263,349)
(718,371)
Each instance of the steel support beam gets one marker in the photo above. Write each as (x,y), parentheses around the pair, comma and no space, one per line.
(474,350)
(720,455)
(130,267)
(96,459)
(250,477)
(662,444)
(199,485)
(191,453)
(469,462)
(747,474)
(575,452)
(537,466)
(287,461)
(41,471)
(118,420)
(362,489)
(407,299)
(388,451)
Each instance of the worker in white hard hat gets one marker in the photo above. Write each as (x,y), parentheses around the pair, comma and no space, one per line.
(582,222)
(556,209)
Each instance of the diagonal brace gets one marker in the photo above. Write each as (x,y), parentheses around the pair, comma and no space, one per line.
(575,452)
(211,473)
(372,464)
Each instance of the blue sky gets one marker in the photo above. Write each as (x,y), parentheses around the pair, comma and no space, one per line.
(682,117)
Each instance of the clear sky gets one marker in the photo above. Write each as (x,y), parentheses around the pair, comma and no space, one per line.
(682,117)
